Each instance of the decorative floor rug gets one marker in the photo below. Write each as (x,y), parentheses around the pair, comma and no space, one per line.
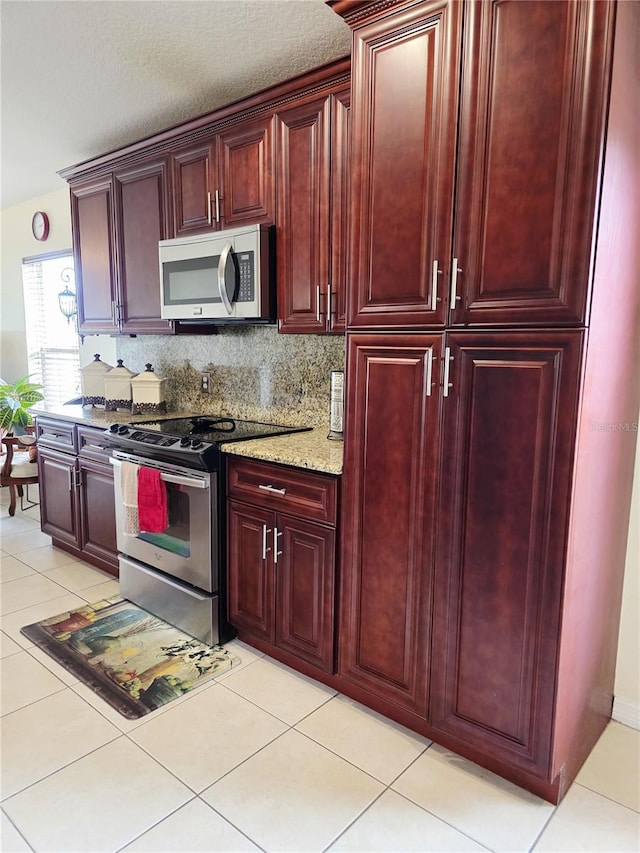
(133,660)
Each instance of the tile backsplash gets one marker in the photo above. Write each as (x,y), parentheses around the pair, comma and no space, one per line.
(255,372)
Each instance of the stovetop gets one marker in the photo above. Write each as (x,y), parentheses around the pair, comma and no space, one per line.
(194,442)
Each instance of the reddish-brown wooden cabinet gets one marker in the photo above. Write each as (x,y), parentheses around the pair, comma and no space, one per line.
(77,507)
(117,222)
(226,180)
(94,253)
(488,470)
(387,524)
(508,430)
(528,135)
(282,560)
(313,182)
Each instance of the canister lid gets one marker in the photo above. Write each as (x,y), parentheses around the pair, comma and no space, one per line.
(147,377)
(96,366)
(120,372)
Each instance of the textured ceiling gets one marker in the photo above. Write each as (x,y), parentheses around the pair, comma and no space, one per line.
(82,77)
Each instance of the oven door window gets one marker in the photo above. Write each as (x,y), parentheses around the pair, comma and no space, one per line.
(176,538)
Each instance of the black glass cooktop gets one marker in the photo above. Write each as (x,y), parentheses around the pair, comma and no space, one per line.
(194,441)
(216,429)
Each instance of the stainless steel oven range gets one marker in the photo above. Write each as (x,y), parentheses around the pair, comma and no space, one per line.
(180,574)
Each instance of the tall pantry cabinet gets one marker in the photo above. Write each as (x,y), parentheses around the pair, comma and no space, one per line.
(493,372)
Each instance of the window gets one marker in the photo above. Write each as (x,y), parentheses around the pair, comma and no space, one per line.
(52,339)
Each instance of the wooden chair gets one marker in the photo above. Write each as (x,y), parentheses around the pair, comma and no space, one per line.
(18,470)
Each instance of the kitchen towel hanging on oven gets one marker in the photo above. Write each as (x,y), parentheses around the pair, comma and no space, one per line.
(129,485)
(152,501)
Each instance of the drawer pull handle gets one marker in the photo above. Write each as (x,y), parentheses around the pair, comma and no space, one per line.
(270,488)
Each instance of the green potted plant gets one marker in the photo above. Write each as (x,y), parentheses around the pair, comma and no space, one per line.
(15,401)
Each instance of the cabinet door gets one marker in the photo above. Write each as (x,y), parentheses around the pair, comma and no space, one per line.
(305,571)
(508,434)
(97,511)
(93,249)
(251,578)
(405,86)
(193,172)
(59,516)
(531,134)
(142,214)
(340,202)
(246,179)
(303,216)
(389,482)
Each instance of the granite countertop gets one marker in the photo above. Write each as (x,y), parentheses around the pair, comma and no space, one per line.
(300,449)
(309,449)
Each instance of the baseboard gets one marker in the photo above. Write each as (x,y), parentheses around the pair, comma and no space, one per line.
(626,713)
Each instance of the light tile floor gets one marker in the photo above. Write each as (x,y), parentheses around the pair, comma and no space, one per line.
(260,759)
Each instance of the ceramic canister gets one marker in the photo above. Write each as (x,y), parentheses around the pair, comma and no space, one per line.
(92,379)
(117,388)
(148,392)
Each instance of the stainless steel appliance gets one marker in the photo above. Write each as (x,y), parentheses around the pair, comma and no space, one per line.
(180,574)
(223,276)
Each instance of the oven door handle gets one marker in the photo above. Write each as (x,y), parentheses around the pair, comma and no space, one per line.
(189,482)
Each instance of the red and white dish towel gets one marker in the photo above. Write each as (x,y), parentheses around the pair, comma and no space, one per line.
(144,496)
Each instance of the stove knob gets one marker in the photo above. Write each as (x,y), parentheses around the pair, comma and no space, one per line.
(114,428)
(195,444)
(185,442)
(123,430)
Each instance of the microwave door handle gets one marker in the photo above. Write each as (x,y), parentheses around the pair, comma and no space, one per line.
(222,267)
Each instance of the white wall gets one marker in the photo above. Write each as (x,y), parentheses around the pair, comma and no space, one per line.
(626,707)
(18,242)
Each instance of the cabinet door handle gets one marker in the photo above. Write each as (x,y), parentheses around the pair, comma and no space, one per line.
(435,272)
(217,206)
(448,358)
(209,215)
(78,478)
(265,531)
(270,488)
(455,269)
(113,312)
(276,553)
(70,475)
(429,371)
(318,303)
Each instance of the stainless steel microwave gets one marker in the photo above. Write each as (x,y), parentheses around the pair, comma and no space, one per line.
(225,276)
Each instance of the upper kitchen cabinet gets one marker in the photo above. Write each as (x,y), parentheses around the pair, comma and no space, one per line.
(531,133)
(117,223)
(94,253)
(142,219)
(312,191)
(405,90)
(528,131)
(226,180)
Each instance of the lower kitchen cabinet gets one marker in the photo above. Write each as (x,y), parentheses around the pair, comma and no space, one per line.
(389,485)
(456,501)
(281,564)
(77,507)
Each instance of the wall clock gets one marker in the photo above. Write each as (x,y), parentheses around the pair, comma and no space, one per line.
(40,225)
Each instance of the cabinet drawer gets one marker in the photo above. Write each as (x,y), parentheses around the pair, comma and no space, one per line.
(303,493)
(60,435)
(92,443)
